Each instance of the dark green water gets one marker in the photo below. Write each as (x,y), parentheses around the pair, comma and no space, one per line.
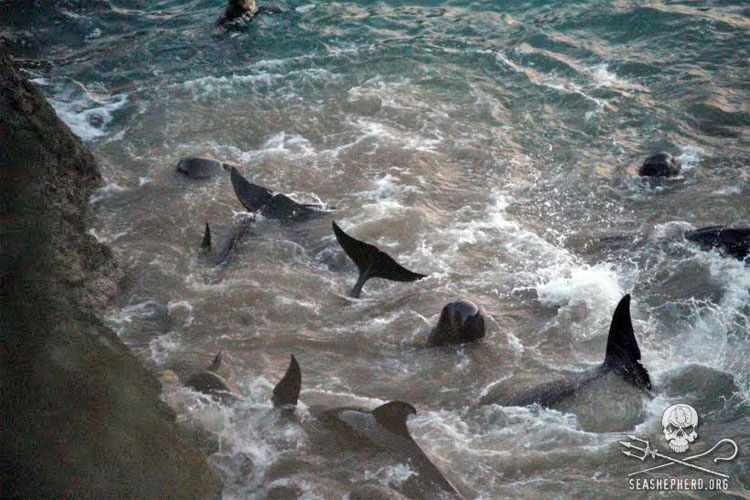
(492,145)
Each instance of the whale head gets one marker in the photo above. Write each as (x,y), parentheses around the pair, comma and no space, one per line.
(460,322)
(660,164)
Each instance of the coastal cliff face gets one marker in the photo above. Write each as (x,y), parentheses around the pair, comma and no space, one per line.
(81,418)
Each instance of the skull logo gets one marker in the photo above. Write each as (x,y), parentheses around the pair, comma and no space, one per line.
(679,422)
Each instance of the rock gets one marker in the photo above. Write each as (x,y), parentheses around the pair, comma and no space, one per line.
(82,418)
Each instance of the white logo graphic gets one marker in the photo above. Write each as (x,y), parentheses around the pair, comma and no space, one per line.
(679,422)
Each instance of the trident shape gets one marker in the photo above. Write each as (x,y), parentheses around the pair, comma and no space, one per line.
(648,451)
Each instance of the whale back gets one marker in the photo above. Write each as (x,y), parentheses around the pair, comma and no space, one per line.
(283,207)
(733,241)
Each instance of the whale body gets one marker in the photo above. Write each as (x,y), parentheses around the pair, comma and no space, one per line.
(734,242)
(622,358)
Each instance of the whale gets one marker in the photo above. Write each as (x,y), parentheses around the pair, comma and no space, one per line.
(623,358)
(383,428)
(460,322)
(211,383)
(258,199)
(286,392)
(661,164)
(371,262)
(734,242)
(228,250)
(239,12)
(200,168)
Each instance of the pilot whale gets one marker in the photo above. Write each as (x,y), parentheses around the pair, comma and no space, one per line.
(285,393)
(371,262)
(734,242)
(383,428)
(211,383)
(622,358)
(273,206)
(660,164)
(239,12)
(201,168)
(227,252)
(460,322)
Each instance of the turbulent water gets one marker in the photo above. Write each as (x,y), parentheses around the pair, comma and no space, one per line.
(491,145)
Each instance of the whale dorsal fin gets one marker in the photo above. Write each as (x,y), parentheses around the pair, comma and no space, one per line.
(287,390)
(371,262)
(216,363)
(623,354)
(206,243)
(393,415)
(252,196)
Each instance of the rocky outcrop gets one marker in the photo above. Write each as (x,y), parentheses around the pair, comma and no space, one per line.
(81,417)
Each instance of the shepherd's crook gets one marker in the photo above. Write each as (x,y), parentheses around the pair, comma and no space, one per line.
(647,450)
(693,457)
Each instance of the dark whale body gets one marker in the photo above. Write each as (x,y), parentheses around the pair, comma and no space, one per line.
(371,262)
(383,428)
(734,242)
(273,206)
(660,164)
(227,252)
(237,13)
(200,168)
(460,322)
(211,383)
(240,12)
(622,358)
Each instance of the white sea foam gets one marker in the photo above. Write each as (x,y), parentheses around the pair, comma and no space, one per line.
(305,8)
(86,112)
(105,191)
(163,346)
(690,157)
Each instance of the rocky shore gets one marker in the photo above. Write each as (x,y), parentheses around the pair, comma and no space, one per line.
(81,417)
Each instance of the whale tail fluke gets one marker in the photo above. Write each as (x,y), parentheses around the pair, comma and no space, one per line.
(371,262)
(206,243)
(623,355)
(286,392)
(252,196)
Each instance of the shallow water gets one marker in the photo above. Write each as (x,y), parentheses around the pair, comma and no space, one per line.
(492,145)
